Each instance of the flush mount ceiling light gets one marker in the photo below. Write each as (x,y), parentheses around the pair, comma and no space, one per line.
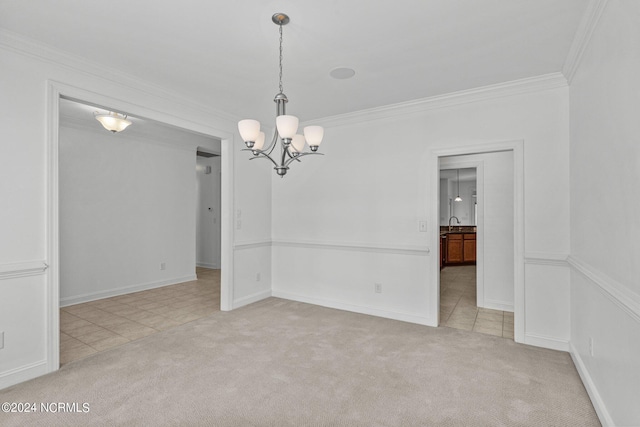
(291,143)
(113,122)
(458,198)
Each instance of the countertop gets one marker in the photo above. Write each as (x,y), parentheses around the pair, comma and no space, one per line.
(463,229)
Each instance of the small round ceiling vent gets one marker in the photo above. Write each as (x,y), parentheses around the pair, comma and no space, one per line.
(342,73)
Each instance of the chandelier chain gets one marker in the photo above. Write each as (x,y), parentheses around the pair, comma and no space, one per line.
(280,84)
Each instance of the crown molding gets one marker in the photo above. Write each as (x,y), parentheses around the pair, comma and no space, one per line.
(419,106)
(583,35)
(27,47)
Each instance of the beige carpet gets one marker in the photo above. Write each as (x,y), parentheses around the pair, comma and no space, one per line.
(282,363)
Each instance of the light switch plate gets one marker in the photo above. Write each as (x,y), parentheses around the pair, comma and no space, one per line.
(1,340)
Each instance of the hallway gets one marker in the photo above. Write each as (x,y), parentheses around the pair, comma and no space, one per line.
(458,308)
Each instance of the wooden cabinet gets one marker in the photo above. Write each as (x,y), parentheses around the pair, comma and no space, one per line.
(454,248)
(460,248)
(469,247)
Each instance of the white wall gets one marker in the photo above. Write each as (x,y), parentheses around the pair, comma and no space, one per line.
(126,206)
(605,229)
(347,220)
(26,285)
(208,212)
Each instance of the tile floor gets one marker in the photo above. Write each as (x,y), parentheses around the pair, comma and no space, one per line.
(98,325)
(458,305)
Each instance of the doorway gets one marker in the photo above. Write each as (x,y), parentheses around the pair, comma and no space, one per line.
(208,231)
(496,287)
(126,203)
(59,92)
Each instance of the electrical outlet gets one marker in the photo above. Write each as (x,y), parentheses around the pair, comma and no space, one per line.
(378,288)
(591,346)
(1,340)
(163,266)
(238,224)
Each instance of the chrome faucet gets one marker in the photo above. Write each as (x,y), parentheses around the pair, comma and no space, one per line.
(457,220)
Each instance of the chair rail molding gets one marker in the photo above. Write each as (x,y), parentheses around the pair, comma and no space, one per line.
(547,258)
(22,269)
(385,248)
(616,292)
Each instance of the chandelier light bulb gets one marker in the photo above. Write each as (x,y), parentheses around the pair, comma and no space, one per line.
(314,135)
(297,144)
(287,126)
(249,130)
(259,143)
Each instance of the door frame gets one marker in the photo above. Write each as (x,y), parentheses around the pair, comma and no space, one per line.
(56,90)
(517,147)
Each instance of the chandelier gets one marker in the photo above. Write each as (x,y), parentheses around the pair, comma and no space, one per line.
(292,144)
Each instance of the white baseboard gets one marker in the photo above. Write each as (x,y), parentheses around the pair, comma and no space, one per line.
(546,342)
(589,385)
(404,317)
(498,305)
(250,299)
(207,265)
(23,373)
(78,299)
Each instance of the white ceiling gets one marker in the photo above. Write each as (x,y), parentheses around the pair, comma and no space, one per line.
(225,54)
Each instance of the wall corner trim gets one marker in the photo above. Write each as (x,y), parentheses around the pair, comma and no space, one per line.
(590,386)
(539,340)
(616,292)
(23,373)
(250,299)
(582,37)
(22,269)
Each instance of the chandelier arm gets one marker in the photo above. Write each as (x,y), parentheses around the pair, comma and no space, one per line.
(288,162)
(272,145)
(262,155)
